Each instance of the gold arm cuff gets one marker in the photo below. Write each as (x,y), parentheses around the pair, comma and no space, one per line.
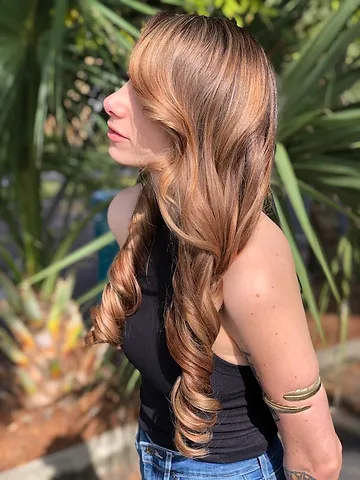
(304,393)
(283,408)
(294,396)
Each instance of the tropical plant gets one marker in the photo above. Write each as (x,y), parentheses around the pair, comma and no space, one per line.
(318,151)
(43,340)
(242,12)
(58,59)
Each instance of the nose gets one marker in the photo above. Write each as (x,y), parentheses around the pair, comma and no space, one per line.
(114,106)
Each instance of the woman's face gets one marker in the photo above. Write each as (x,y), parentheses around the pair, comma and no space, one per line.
(134,137)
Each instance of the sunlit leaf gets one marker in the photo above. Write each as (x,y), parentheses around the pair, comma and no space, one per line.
(319,43)
(31,305)
(92,293)
(74,328)
(12,295)
(114,18)
(61,298)
(11,350)
(9,261)
(56,34)
(68,241)
(301,269)
(139,6)
(76,256)
(291,186)
(25,380)
(17,327)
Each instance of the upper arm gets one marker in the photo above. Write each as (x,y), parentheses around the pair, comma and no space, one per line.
(266,318)
(120,212)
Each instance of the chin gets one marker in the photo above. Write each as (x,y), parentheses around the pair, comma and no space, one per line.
(121,157)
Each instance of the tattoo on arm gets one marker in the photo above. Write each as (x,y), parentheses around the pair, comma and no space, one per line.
(292,475)
(293,396)
(247,355)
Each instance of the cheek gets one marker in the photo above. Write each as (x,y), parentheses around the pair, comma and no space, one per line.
(152,137)
(149,135)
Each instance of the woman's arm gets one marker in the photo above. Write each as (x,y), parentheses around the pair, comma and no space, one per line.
(264,314)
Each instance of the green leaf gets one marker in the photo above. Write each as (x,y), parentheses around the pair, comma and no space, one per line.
(340,182)
(177,3)
(139,6)
(56,34)
(13,51)
(132,382)
(327,138)
(26,382)
(67,242)
(296,123)
(11,350)
(326,200)
(74,328)
(115,18)
(318,43)
(290,184)
(17,327)
(350,114)
(11,292)
(328,59)
(92,293)
(62,296)
(10,263)
(300,268)
(31,305)
(73,258)
(328,165)
(345,83)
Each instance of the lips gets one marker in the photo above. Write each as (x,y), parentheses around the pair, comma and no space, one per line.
(115,135)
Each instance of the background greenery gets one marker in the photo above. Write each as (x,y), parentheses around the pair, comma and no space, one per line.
(59,59)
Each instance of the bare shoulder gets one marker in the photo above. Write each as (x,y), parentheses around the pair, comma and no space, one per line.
(265,264)
(263,304)
(120,212)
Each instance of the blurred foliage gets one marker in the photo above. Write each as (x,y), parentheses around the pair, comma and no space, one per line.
(58,60)
(242,11)
(43,339)
(319,130)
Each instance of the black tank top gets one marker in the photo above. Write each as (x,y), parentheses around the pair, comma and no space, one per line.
(244,426)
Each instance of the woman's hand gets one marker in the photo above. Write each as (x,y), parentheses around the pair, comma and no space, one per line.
(264,315)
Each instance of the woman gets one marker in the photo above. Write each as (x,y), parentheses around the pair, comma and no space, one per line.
(203,295)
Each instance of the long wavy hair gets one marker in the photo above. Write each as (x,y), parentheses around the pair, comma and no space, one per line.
(209,84)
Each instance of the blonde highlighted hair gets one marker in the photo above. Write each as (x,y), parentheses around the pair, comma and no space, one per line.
(211,87)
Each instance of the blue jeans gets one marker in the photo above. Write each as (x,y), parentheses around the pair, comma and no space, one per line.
(159,463)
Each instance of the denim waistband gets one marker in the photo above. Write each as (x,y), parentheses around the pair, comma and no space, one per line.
(160,459)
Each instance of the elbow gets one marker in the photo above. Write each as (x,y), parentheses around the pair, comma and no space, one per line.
(330,470)
(321,467)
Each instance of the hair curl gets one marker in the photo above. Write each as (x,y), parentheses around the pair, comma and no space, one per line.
(211,87)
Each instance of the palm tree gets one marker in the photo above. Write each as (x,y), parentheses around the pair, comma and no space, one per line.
(54,57)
